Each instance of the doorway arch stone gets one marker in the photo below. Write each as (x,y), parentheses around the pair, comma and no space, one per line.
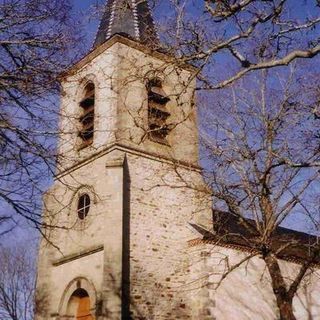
(78,301)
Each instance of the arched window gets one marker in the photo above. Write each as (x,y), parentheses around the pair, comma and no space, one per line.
(87,115)
(157,111)
(79,305)
(83,206)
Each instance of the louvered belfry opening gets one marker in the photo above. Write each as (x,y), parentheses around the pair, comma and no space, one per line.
(157,112)
(87,115)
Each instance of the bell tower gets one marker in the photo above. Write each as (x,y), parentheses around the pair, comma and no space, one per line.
(127,183)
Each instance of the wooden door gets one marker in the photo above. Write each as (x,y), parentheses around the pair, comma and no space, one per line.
(83,312)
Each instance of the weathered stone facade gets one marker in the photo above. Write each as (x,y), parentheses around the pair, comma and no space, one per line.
(246,293)
(134,254)
(131,249)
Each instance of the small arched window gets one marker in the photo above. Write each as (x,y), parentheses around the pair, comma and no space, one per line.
(157,111)
(87,115)
(83,206)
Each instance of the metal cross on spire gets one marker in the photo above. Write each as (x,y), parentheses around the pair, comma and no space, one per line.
(131,18)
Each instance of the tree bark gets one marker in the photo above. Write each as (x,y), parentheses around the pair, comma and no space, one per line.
(284,300)
(286,310)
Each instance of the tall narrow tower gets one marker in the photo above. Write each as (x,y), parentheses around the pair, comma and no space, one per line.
(128,181)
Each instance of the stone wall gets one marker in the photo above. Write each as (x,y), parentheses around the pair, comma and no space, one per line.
(246,292)
(89,248)
(120,74)
(163,200)
(134,240)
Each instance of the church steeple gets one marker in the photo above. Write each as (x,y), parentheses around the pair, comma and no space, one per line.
(131,18)
(128,126)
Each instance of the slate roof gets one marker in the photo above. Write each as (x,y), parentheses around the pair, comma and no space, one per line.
(229,231)
(131,18)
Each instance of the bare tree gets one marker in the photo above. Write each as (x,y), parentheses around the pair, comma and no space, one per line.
(17,283)
(36,42)
(261,142)
(260,130)
(229,39)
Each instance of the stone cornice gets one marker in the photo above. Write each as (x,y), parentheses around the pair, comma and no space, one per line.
(131,43)
(77,255)
(129,150)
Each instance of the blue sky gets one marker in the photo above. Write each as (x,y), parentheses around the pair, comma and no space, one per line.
(87,11)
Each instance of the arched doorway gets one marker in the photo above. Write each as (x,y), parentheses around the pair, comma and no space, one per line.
(79,305)
(78,301)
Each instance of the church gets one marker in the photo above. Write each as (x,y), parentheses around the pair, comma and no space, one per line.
(129,213)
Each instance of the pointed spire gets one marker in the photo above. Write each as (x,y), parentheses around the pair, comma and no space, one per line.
(131,18)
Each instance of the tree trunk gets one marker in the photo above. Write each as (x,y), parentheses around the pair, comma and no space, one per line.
(286,310)
(284,300)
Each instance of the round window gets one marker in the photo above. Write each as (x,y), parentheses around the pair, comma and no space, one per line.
(83,206)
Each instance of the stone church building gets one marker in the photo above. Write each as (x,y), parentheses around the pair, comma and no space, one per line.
(130,209)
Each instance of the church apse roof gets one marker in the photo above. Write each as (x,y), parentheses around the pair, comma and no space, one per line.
(131,18)
(230,231)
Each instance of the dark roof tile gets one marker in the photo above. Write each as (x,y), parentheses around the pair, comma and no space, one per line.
(241,233)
